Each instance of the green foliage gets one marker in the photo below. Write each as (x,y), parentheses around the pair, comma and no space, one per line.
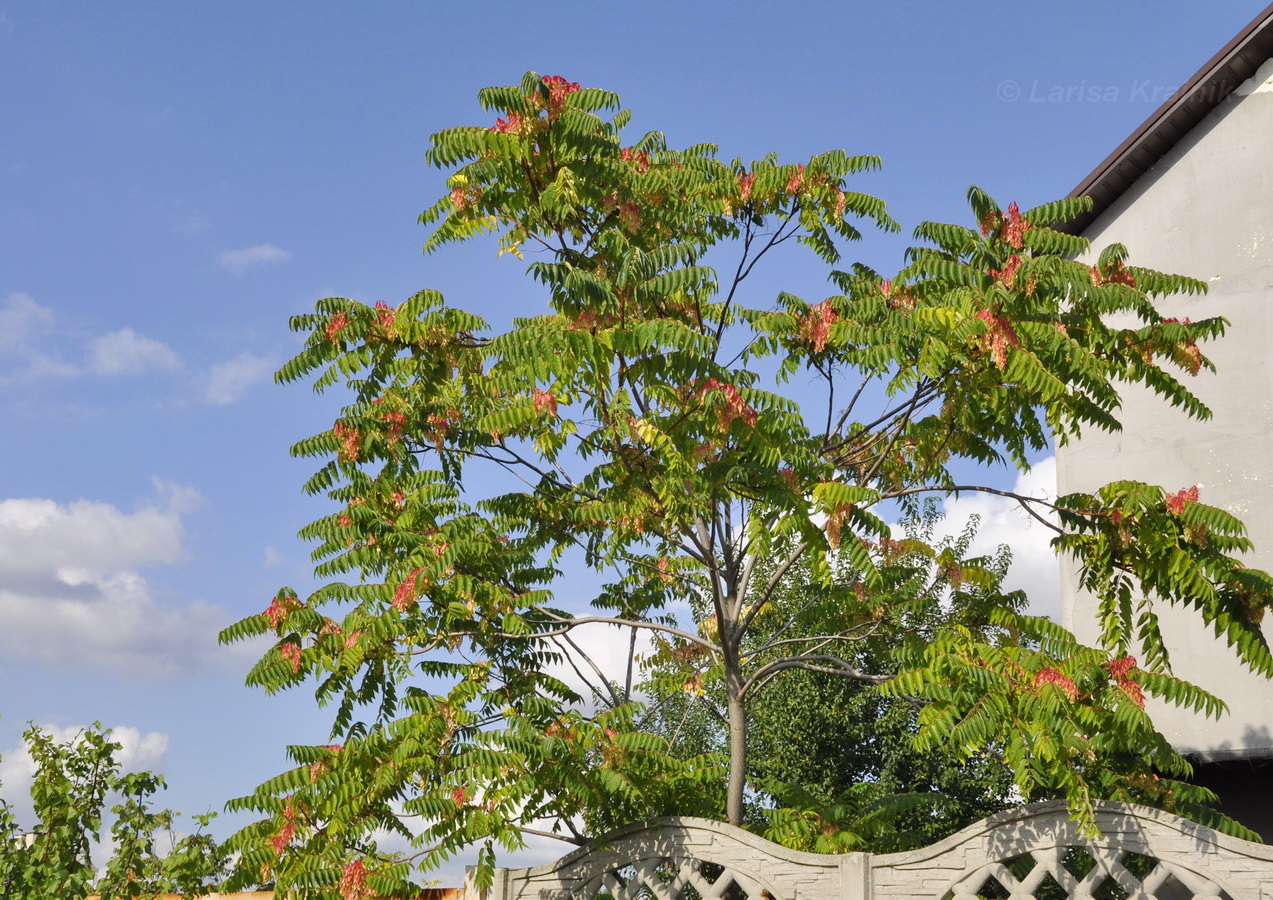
(821,745)
(861,818)
(632,427)
(54,858)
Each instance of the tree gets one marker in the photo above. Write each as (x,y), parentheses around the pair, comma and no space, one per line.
(638,426)
(73,782)
(833,758)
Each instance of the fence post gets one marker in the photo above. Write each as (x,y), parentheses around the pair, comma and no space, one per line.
(855,876)
(497,891)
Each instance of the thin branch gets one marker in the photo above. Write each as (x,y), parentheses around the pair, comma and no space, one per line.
(848,410)
(925,392)
(1027,503)
(703,541)
(597,692)
(741,273)
(777,576)
(749,566)
(684,718)
(627,684)
(711,708)
(576,839)
(569,624)
(833,666)
(898,428)
(822,640)
(828,373)
(748,236)
(794,618)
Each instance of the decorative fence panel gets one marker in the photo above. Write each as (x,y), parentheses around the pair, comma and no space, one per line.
(1031,853)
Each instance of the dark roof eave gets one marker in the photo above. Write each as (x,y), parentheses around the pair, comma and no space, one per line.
(1208,88)
(1255,756)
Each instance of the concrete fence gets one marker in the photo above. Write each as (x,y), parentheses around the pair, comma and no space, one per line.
(1031,853)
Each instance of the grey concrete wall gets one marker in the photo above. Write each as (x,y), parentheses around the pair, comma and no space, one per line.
(1206,210)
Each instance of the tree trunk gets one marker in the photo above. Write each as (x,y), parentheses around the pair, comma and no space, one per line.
(737,743)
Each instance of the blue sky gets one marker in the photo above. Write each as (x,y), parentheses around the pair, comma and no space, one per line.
(176,180)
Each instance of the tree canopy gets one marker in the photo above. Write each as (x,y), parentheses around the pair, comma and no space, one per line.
(74,781)
(653,421)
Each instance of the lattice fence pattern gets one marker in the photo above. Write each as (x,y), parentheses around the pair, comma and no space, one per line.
(1080,873)
(673,879)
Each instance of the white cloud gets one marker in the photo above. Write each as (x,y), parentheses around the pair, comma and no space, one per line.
(23,323)
(21,318)
(238,260)
(27,328)
(138,753)
(228,381)
(1035,568)
(38,535)
(607,646)
(108,622)
(195,224)
(71,592)
(273,558)
(125,352)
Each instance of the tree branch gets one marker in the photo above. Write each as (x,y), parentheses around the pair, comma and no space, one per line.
(778,574)
(572,623)
(823,639)
(614,699)
(1026,503)
(833,666)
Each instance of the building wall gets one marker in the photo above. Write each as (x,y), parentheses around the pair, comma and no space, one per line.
(1206,210)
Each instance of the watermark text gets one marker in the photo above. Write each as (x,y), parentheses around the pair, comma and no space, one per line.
(1134,91)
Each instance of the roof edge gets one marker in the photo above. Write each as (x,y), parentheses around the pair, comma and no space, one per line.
(1210,86)
(1256,756)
